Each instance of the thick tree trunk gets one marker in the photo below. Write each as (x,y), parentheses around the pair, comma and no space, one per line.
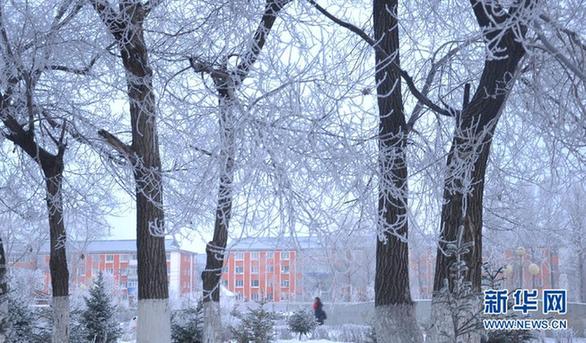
(395,309)
(467,163)
(215,249)
(53,171)
(154,316)
(154,321)
(4,323)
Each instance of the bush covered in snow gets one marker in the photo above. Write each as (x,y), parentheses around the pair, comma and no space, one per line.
(257,325)
(302,322)
(20,321)
(187,324)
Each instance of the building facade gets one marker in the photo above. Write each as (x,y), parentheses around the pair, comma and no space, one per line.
(279,269)
(116,259)
(262,269)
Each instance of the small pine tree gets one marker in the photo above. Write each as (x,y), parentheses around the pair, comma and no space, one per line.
(98,317)
(257,325)
(302,322)
(21,320)
(187,325)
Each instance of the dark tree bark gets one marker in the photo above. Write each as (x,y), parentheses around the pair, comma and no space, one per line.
(4,324)
(215,249)
(226,83)
(395,311)
(52,166)
(468,156)
(392,270)
(126,26)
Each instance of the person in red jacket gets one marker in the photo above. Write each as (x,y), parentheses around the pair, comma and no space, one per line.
(320,314)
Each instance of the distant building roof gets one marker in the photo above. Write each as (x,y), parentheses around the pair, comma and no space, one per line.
(276,243)
(114,246)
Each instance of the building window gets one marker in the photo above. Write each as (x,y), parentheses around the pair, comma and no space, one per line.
(255,296)
(270,296)
(225,282)
(133,257)
(284,283)
(254,269)
(254,283)
(109,258)
(123,271)
(110,270)
(254,255)
(124,258)
(270,268)
(239,270)
(285,269)
(270,254)
(238,255)
(239,283)
(131,284)
(225,269)
(269,283)
(284,255)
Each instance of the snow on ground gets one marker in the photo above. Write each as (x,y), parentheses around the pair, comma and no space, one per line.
(310,340)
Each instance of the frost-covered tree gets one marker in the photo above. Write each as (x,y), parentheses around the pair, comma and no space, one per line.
(99,316)
(37,130)
(126,26)
(227,82)
(22,321)
(302,322)
(187,324)
(256,325)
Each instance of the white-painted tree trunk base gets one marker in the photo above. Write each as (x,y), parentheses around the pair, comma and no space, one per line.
(397,324)
(60,319)
(154,321)
(212,322)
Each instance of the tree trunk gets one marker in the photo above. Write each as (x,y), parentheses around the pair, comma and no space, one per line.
(154,319)
(394,307)
(226,84)
(215,249)
(4,323)
(52,166)
(154,316)
(467,162)
(53,171)
(581,277)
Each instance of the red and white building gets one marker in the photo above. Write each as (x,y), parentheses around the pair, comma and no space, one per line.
(263,268)
(117,259)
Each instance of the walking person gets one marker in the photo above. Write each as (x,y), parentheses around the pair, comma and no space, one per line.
(320,314)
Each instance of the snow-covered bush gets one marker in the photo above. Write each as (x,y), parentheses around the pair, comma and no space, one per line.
(257,325)
(20,321)
(187,324)
(98,318)
(302,322)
